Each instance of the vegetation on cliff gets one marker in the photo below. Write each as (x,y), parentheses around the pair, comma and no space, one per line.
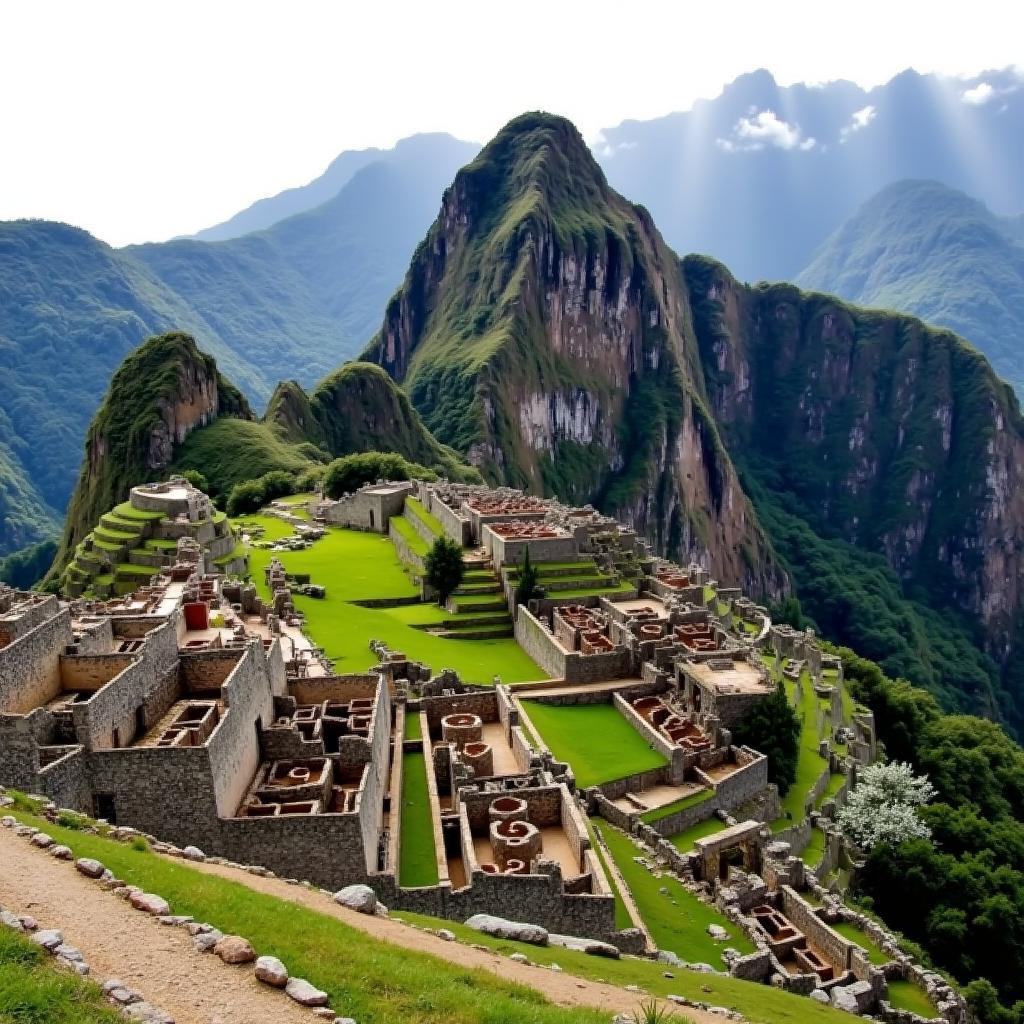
(960,894)
(162,390)
(868,433)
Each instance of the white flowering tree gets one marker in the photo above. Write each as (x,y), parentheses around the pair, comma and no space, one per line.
(883,807)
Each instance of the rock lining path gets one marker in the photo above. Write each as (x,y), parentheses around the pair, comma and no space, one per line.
(119,942)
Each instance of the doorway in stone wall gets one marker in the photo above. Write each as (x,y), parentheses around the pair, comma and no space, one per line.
(103,807)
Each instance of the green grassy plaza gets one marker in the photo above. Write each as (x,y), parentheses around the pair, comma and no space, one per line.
(677,921)
(810,763)
(357,566)
(417,864)
(584,735)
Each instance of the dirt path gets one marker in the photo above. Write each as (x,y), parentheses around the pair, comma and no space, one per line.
(561,988)
(119,942)
(197,988)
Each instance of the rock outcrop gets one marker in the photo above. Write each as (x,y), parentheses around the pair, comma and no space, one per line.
(162,392)
(544,329)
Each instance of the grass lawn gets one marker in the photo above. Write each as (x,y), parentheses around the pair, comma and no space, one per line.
(595,739)
(273,528)
(905,995)
(413,726)
(416,543)
(621,587)
(835,783)
(365,977)
(622,916)
(815,848)
(415,507)
(34,991)
(850,931)
(417,864)
(684,840)
(353,566)
(677,805)
(810,763)
(759,1003)
(679,921)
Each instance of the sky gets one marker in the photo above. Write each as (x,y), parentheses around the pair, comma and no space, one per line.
(140,120)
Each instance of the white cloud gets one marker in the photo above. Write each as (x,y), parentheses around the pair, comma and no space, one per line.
(861,119)
(603,148)
(979,95)
(764,128)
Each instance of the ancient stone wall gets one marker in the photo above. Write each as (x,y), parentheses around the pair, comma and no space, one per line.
(317,689)
(405,553)
(482,702)
(234,744)
(455,526)
(539,644)
(30,666)
(65,780)
(25,615)
(830,944)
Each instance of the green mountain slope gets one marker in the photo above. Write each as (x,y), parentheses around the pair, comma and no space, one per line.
(162,392)
(169,409)
(543,329)
(295,300)
(923,248)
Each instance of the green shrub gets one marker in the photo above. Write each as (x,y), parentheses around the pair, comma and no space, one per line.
(444,568)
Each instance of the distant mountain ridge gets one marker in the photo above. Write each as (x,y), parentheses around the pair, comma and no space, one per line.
(422,149)
(924,248)
(295,300)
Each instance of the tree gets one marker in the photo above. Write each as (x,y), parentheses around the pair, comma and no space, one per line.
(444,567)
(526,588)
(772,727)
(883,807)
(349,473)
(197,480)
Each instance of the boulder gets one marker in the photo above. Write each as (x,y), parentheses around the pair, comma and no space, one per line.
(591,946)
(842,999)
(717,932)
(446,934)
(150,903)
(271,971)
(89,867)
(206,941)
(42,840)
(48,938)
(516,931)
(819,996)
(360,898)
(305,994)
(520,958)
(61,852)
(233,949)
(666,956)
(193,853)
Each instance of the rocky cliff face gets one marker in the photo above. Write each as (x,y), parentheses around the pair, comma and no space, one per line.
(895,436)
(544,330)
(162,392)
